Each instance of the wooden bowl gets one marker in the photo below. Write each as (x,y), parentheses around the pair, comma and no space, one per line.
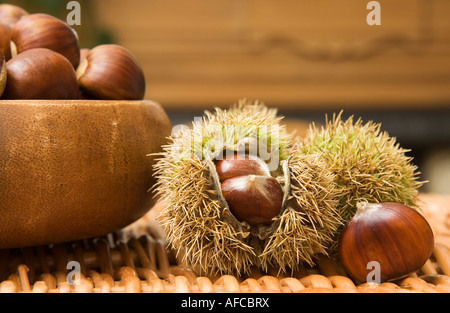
(77,169)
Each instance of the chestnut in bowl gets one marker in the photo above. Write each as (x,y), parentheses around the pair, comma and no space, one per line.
(40,74)
(5,41)
(45,31)
(10,14)
(75,169)
(3,74)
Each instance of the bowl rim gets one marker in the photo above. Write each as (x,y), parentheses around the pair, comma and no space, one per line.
(77,102)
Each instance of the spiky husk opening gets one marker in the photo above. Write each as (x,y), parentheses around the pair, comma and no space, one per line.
(307,225)
(194,217)
(193,221)
(369,164)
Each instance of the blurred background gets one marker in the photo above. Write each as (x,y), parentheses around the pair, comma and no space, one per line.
(307,58)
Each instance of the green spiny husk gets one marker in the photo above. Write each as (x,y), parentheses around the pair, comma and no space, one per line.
(307,226)
(197,223)
(369,164)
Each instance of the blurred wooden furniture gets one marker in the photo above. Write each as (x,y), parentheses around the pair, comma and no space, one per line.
(290,54)
(305,57)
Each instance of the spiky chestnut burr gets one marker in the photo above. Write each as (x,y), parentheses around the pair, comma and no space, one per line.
(199,220)
(369,165)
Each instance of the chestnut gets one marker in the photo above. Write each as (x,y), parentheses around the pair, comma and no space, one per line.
(45,31)
(396,236)
(3,74)
(253,199)
(40,74)
(111,72)
(11,14)
(5,41)
(240,164)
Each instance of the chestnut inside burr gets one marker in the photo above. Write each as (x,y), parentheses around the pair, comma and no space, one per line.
(253,199)
(252,194)
(239,164)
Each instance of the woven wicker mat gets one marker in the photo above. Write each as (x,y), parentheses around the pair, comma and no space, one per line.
(136,260)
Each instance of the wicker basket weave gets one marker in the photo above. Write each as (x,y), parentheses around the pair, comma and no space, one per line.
(137,260)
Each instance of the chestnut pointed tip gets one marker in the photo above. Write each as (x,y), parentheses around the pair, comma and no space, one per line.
(396,236)
(13,49)
(362,205)
(363,208)
(81,69)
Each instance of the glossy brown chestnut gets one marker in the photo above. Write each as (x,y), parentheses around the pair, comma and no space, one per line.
(83,94)
(238,164)
(111,72)
(5,41)
(11,14)
(40,74)
(253,199)
(45,31)
(392,234)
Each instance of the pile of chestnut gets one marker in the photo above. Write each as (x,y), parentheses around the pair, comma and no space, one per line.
(41,59)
